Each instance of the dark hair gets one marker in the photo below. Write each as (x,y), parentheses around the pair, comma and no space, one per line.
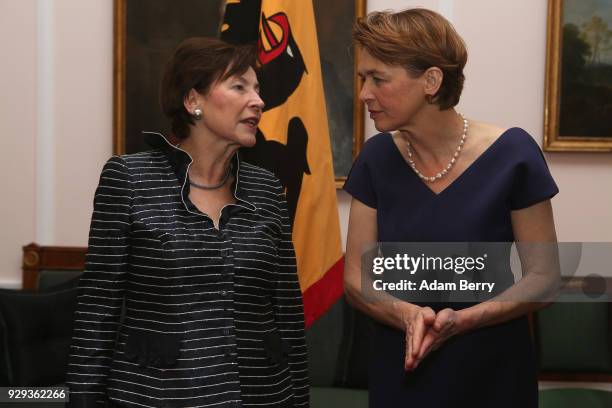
(197,63)
(416,39)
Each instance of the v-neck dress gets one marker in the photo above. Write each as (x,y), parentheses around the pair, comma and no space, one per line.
(489,367)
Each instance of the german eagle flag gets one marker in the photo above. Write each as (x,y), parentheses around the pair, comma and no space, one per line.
(293,136)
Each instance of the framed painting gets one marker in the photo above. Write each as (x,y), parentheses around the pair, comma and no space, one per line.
(146,32)
(578,99)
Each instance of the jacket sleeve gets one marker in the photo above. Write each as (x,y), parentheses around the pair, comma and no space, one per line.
(101,288)
(289,309)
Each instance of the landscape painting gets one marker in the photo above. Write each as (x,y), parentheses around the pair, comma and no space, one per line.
(579,76)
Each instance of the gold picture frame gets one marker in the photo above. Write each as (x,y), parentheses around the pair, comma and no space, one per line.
(132,104)
(558,135)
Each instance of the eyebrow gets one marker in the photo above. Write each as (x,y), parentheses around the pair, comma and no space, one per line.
(370,72)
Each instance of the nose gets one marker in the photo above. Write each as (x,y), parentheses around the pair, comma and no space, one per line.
(365,94)
(257,102)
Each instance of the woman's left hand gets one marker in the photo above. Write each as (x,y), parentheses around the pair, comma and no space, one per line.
(448,323)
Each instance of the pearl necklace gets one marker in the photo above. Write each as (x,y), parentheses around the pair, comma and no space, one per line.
(449,166)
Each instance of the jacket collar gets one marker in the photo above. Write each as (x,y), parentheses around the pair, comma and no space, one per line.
(180,161)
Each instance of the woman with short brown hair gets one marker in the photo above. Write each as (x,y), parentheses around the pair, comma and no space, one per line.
(433,175)
(194,245)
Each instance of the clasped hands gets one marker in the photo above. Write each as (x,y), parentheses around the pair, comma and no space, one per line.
(427,330)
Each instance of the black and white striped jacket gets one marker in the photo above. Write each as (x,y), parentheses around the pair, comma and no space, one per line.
(211,318)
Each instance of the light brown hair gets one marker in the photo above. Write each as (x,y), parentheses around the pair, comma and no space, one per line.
(197,63)
(416,39)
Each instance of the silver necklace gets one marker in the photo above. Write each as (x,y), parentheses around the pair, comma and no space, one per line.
(449,166)
(215,186)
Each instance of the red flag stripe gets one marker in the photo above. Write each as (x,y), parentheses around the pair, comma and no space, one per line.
(322,294)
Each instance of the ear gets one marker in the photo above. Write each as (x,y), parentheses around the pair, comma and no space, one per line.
(433,81)
(192,100)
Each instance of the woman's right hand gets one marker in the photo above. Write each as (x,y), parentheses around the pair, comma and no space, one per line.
(417,321)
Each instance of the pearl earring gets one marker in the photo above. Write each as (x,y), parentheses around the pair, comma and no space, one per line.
(197,114)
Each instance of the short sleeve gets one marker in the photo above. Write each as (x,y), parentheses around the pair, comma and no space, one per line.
(532,182)
(360,181)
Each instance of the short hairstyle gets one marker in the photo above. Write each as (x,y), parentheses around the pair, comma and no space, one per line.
(416,39)
(197,63)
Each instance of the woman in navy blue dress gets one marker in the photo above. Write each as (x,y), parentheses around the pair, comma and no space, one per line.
(435,176)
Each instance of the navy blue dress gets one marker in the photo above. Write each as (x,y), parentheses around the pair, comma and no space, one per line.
(489,367)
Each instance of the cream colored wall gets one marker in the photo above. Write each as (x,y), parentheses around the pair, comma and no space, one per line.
(56,114)
(83,111)
(18,113)
(56,121)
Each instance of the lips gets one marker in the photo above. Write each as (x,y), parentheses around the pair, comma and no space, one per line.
(251,122)
(374,113)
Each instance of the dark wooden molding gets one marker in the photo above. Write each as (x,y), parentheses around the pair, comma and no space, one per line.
(576,377)
(119,45)
(37,258)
